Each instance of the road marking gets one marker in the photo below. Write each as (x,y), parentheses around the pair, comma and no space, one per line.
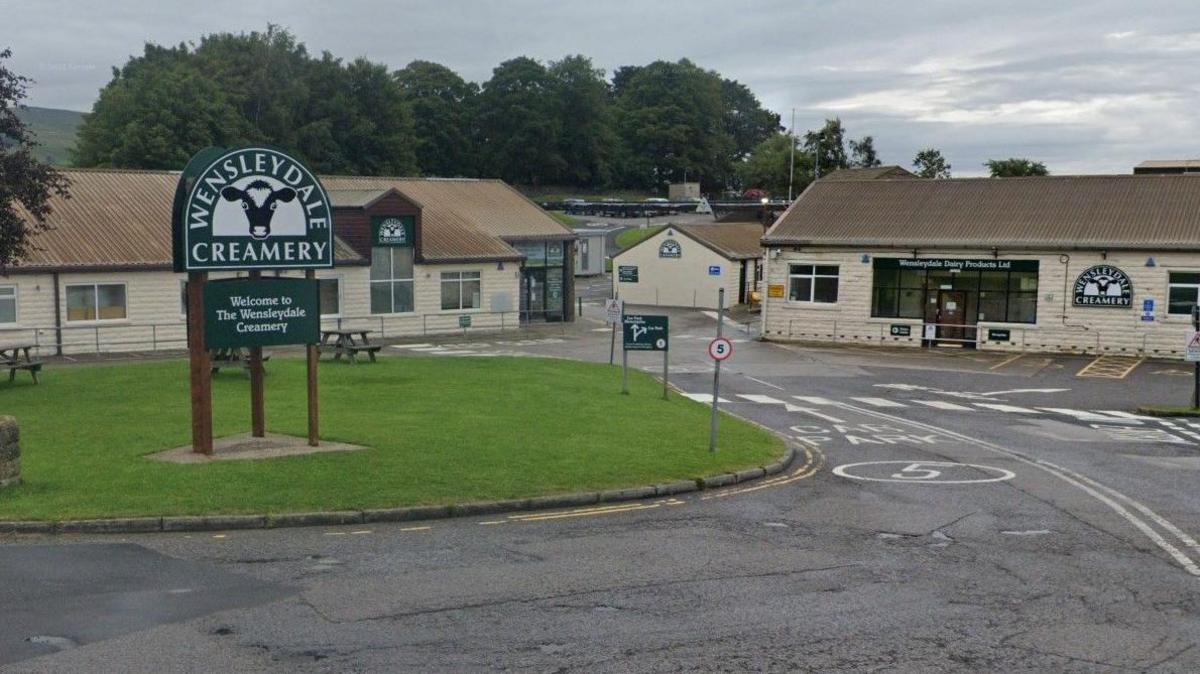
(1084,415)
(880,402)
(1007,408)
(943,405)
(703,397)
(1026,390)
(814,400)
(415,528)
(411,346)
(360,532)
(796,408)
(764,383)
(1006,361)
(587,513)
(756,398)
(915,472)
(220,536)
(335,533)
(1110,367)
(491,522)
(1082,483)
(1128,415)
(813,461)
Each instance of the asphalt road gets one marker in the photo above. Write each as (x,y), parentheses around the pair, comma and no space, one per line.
(951,511)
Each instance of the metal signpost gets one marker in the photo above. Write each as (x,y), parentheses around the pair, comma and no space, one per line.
(614,309)
(643,333)
(712,431)
(1191,354)
(250,209)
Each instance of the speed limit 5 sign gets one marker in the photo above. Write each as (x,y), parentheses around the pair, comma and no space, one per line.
(720,348)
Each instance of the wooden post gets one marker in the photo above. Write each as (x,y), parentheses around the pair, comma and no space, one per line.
(258,411)
(200,366)
(312,355)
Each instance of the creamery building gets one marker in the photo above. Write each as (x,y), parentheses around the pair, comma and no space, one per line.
(412,257)
(1084,264)
(687,265)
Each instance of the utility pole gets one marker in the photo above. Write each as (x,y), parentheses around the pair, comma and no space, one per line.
(792,155)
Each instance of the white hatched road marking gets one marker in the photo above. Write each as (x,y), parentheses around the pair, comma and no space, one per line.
(1128,415)
(703,397)
(1084,415)
(880,402)
(1007,408)
(814,400)
(943,405)
(756,398)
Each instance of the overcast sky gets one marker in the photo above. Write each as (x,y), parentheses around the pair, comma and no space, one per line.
(1087,86)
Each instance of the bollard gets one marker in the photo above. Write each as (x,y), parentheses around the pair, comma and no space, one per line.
(10,452)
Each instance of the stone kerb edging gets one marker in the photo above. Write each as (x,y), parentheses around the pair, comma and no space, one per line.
(138,525)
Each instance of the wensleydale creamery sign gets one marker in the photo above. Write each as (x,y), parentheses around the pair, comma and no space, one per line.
(250,208)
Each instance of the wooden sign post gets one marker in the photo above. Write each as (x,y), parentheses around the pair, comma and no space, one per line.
(250,209)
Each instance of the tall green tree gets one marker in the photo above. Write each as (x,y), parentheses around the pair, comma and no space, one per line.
(519,125)
(1014,167)
(671,121)
(587,138)
(746,121)
(441,103)
(828,146)
(767,167)
(25,183)
(862,153)
(929,163)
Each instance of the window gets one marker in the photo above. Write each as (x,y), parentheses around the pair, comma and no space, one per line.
(1001,296)
(391,280)
(585,254)
(96,302)
(812,283)
(460,290)
(1183,291)
(330,294)
(8,304)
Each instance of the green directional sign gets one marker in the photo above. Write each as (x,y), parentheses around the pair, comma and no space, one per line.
(261,312)
(393,230)
(645,333)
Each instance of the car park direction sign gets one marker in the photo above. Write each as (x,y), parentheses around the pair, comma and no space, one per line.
(645,333)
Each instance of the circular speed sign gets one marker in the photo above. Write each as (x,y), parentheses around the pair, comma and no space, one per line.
(720,349)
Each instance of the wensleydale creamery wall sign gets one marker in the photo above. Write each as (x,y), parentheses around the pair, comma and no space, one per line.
(250,208)
(1103,286)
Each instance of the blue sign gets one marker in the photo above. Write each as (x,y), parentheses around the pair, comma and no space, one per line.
(1148,305)
(714,270)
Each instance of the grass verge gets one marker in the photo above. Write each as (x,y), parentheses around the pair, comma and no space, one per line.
(566,220)
(1169,410)
(441,430)
(636,235)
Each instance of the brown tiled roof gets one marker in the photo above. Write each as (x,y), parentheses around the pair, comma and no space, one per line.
(1055,212)
(736,241)
(121,219)
(872,173)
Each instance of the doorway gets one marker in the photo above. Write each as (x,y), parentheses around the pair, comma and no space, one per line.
(533,293)
(952,315)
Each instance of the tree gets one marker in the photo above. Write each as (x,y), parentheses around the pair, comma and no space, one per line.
(519,124)
(441,103)
(1015,167)
(26,185)
(671,121)
(929,163)
(862,153)
(586,121)
(767,167)
(828,146)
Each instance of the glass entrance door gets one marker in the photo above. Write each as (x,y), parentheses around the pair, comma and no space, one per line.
(533,293)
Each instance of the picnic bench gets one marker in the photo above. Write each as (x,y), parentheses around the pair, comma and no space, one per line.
(342,342)
(11,358)
(232,357)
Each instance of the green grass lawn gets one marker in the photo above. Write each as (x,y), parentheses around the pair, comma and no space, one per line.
(635,235)
(567,220)
(441,430)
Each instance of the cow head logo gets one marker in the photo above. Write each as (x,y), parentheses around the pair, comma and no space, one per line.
(259,201)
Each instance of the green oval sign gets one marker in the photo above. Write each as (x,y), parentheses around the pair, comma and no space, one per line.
(251,208)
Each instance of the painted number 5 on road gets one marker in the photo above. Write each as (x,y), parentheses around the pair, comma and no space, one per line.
(720,349)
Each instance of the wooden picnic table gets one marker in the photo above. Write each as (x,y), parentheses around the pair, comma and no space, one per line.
(343,343)
(230,357)
(10,357)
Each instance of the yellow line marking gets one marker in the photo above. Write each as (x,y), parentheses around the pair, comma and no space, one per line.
(812,465)
(589,514)
(1110,367)
(415,528)
(1006,361)
(595,509)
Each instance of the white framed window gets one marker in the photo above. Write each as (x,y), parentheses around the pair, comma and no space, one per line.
(8,304)
(461,290)
(813,283)
(330,295)
(96,302)
(391,280)
(1183,292)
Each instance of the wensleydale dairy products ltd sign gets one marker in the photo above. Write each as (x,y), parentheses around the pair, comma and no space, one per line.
(250,208)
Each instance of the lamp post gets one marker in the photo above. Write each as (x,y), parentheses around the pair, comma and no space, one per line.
(764,201)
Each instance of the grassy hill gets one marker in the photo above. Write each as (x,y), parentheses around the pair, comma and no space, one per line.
(55,131)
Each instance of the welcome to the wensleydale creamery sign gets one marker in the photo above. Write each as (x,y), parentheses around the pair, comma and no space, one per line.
(250,208)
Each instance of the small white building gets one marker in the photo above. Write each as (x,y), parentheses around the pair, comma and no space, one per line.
(101,278)
(686,265)
(591,250)
(1085,264)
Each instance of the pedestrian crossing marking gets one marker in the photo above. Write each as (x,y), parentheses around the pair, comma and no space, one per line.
(879,402)
(1084,415)
(814,400)
(755,398)
(1007,408)
(943,405)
